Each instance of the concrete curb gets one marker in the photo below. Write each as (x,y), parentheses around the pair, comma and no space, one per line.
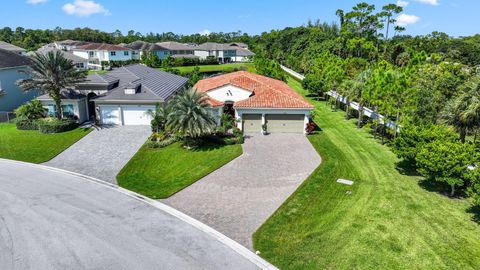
(243,251)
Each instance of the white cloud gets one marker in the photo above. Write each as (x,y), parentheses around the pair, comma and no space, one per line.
(406,19)
(83,8)
(429,2)
(34,2)
(205,32)
(402,3)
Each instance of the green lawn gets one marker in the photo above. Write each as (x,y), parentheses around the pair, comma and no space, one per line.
(159,173)
(389,221)
(217,68)
(33,146)
(95,71)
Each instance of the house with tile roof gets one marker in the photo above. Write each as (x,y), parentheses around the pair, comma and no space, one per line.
(12,48)
(12,69)
(256,100)
(96,53)
(140,48)
(79,62)
(120,97)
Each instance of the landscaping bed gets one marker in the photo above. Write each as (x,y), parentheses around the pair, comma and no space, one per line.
(385,220)
(161,172)
(33,146)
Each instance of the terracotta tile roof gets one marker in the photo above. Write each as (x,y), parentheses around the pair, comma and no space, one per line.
(267,92)
(101,47)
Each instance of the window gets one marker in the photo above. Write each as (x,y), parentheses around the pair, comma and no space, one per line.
(113,53)
(91,54)
(67,110)
(125,53)
(51,110)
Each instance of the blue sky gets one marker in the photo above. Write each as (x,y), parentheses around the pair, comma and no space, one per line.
(455,17)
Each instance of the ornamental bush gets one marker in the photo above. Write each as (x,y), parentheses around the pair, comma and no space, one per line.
(26,124)
(53,125)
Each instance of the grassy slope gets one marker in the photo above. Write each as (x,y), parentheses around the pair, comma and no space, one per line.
(33,146)
(388,222)
(214,68)
(159,173)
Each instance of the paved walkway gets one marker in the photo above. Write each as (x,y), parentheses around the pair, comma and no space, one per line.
(51,219)
(103,152)
(238,198)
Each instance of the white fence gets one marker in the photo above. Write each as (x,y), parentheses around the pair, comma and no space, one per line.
(366,111)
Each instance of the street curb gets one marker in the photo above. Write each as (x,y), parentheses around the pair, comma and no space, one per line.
(243,251)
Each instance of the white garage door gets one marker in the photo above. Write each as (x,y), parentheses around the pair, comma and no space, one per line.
(110,115)
(137,115)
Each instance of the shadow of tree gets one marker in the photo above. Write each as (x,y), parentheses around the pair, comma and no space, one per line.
(475,210)
(441,188)
(406,167)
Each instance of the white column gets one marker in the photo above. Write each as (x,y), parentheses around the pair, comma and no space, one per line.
(263,122)
(220,111)
(239,120)
(120,115)
(305,122)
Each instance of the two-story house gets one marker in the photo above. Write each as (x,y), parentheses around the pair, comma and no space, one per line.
(224,53)
(96,53)
(68,45)
(177,50)
(140,48)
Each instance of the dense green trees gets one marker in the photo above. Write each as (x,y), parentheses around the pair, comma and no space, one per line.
(269,68)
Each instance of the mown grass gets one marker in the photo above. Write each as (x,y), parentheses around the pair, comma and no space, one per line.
(33,146)
(386,220)
(160,173)
(217,68)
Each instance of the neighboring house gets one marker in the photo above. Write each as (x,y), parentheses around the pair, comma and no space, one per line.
(239,44)
(176,49)
(79,62)
(224,53)
(255,100)
(96,53)
(11,67)
(12,48)
(68,45)
(243,55)
(140,48)
(121,97)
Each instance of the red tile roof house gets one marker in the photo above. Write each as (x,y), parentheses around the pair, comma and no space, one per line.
(255,100)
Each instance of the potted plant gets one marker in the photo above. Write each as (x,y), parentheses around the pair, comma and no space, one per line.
(264,129)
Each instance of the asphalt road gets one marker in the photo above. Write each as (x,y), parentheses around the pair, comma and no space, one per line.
(55,220)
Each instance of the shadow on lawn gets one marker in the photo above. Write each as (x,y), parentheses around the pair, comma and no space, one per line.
(407,168)
(441,188)
(475,210)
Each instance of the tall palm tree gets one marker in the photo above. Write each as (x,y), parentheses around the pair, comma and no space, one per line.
(189,115)
(454,114)
(50,73)
(472,113)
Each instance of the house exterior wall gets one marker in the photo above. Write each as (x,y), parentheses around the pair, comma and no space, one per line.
(79,107)
(201,54)
(229,93)
(83,54)
(119,56)
(12,95)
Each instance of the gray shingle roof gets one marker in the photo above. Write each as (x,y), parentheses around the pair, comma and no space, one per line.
(155,85)
(65,94)
(175,46)
(10,59)
(145,46)
(244,52)
(11,47)
(100,79)
(212,46)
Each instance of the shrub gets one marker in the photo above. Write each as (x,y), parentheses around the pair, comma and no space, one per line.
(26,124)
(31,111)
(311,127)
(53,125)
(160,144)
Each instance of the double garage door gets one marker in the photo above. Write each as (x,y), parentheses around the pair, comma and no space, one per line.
(276,123)
(131,114)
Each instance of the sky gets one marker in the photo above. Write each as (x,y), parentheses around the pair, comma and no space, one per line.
(454,17)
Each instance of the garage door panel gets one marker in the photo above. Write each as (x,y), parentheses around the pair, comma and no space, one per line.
(137,115)
(252,123)
(110,115)
(285,123)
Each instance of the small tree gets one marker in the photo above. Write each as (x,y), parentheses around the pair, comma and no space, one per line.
(159,117)
(474,189)
(445,161)
(227,122)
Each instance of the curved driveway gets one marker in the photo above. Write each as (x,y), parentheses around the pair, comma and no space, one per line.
(51,219)
(240,196)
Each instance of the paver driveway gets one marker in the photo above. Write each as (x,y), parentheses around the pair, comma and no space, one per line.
(237,198)
(103,152)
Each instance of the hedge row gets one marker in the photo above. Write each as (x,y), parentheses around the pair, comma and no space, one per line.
(52,125)
(25,124)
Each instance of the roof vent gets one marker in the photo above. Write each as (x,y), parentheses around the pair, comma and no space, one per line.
(132,88)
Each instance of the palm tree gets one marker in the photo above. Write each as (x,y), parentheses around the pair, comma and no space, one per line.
(50,73)
(454,114)
(472,113)
(190,116)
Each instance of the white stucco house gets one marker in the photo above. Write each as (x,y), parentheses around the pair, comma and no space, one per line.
(255,100)
(96,53)
(224,53)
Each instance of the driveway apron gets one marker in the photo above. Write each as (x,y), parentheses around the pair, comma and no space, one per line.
(239,197)
(103,152)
